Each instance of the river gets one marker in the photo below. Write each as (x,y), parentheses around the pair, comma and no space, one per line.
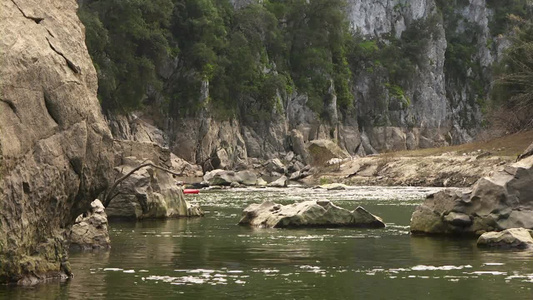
(214,258)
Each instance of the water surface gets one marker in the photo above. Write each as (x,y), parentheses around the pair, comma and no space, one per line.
(213,258)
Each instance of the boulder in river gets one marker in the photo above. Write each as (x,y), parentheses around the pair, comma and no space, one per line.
(499,202)
(321,213)
(90,231)
(510,238)
(148,193)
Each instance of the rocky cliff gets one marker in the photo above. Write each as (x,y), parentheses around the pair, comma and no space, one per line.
(421,77)
(54,143)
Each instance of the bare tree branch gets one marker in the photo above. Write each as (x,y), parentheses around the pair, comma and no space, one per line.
(109,194)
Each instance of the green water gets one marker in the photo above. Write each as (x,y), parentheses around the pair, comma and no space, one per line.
(213,258)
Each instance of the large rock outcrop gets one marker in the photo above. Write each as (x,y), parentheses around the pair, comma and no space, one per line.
(148,192)
(320,213)
(499,202)
(54,143)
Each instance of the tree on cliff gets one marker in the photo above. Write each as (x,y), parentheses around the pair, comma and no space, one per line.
(513,90)
(127,40)
(241,59)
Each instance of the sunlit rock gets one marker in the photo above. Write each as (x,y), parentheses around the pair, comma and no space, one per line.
(510,238)
(321,213)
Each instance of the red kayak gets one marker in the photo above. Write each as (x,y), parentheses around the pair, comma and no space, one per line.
(191,191)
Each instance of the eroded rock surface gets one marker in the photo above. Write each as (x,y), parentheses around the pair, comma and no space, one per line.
(499,202)
(321,213)
(149,192)
(322,151)
(90,231)
(54,142)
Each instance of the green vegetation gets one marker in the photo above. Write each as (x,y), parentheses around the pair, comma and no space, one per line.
(512,96)
(393,64)
(462,65)
(500,22)
(324,180)
(127,41)
(183,56)
(249,57)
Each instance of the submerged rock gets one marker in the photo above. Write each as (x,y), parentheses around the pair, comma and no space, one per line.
(499,202)
(321,213)
(90,231)
(510,238)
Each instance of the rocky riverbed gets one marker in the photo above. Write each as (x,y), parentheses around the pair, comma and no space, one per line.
(446,170)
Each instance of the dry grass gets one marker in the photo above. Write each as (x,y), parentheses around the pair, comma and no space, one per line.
(511,145)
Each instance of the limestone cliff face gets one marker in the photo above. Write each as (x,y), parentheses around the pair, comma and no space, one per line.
(392,123)
(439,104)
(54,141)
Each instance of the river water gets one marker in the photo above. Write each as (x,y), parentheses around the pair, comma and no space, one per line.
(214,258)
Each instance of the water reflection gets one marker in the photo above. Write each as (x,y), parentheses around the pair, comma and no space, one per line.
(212,257)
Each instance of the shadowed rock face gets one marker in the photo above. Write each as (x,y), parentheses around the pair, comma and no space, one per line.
(499,202)
(54,157)
(320,213)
